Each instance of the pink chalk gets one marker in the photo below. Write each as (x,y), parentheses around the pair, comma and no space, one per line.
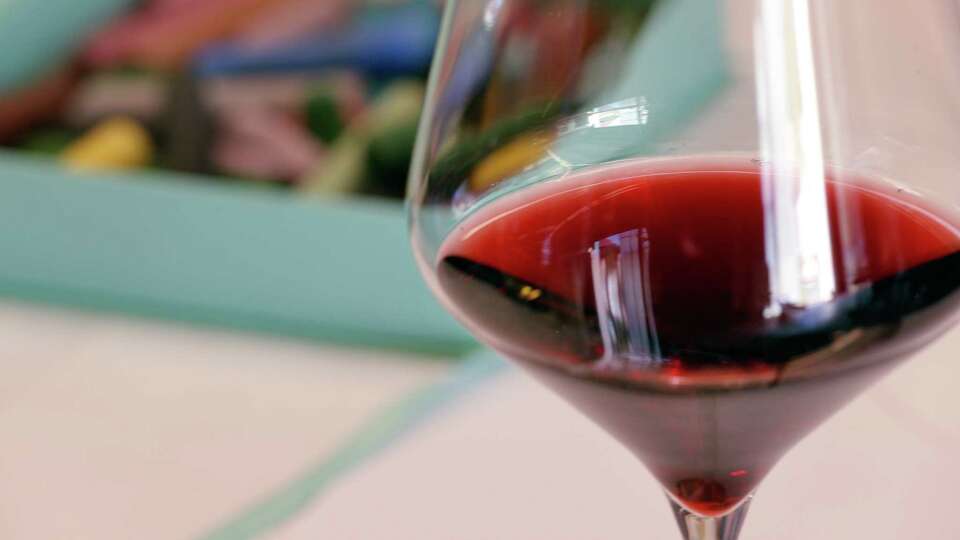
(260,143)
(288,92)
(294,20)
(162,5)
(167,31)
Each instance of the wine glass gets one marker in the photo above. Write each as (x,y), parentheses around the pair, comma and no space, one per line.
(707,224)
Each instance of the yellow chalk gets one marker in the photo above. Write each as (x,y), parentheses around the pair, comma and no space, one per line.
(510,159)
(114,144)
(344,171)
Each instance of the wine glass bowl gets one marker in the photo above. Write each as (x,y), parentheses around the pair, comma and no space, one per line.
(678,215)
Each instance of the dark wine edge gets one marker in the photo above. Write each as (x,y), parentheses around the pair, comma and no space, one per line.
(882,308)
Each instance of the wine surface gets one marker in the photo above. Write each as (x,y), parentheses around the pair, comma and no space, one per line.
(641,292)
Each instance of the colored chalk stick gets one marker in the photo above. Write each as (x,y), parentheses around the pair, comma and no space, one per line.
(114,144)
(284,91)
(48,141)
(388,159)
(324,117)
(165,5)
(294,20)
(401,44)
(186,128)
(35,104)
(346,170)
(264,144)
(140,96)
(342,172)
(400,102)
(167,38)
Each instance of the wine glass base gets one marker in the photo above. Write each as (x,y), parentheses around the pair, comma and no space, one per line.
(697,527)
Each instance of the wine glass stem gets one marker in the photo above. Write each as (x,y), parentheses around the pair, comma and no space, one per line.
(697,527)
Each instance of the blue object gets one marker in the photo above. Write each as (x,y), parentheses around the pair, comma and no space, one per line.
(396,41)
(38,36)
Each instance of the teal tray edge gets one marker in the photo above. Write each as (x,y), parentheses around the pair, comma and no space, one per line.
(194,250)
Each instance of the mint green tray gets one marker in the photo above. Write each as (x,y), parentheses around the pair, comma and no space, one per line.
(197,251)
(39,35)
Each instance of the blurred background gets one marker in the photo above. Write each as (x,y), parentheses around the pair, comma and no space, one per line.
(208,299)
(302,96)
(239,163)
(211,325)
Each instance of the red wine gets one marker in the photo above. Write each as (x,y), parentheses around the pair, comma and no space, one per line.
(641,292)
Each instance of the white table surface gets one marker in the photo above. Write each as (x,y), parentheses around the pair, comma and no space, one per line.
(512,461)
(114,428)
(117,428)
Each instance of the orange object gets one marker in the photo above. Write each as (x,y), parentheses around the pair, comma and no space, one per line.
(165,37)
(511,159)
(34,104)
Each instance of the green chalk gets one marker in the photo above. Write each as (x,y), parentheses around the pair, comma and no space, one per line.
(324,117)
(48,141)
(388,159)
